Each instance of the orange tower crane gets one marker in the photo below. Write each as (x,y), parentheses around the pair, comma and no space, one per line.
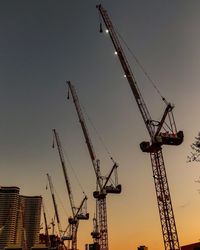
(77,213)
(100,233)
(163,132)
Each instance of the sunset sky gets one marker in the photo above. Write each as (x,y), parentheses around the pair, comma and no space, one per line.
(43,44)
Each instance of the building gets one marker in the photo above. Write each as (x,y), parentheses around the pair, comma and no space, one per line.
(31,213)
(19,219)
(194,246)
(9,204)
(93,246)
(142,248)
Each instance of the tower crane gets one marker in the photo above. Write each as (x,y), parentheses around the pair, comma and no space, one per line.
(100,233)
(163,132)
(47,239)
(77,213)
(54,204)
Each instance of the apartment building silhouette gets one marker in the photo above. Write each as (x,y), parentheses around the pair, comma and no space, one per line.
(142,248)
(19,218)
(9,203)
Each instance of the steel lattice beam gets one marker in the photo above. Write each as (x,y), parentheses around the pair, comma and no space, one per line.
(102,215)
(167,219)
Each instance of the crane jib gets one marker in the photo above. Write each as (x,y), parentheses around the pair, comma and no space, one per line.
(127,70)
(85,131)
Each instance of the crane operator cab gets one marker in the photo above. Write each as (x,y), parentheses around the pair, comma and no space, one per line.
(162,139)
(99,195)
(72,220)
(95,235)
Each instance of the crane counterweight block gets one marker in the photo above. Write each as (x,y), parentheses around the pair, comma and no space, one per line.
(170,138)
(114,190)
(162,139)
(111,189)
(82,216)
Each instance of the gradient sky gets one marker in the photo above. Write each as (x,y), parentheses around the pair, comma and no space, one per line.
(43,44)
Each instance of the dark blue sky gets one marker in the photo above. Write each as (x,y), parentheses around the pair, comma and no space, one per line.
(43,44)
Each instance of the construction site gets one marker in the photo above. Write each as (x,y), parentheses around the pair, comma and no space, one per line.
(107,155)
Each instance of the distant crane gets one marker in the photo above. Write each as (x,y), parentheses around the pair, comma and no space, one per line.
(46,227)
(54,204)
(161,133)
(77,213)
(52,223)
(100,233)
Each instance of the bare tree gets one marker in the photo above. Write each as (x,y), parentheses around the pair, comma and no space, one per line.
(195,153)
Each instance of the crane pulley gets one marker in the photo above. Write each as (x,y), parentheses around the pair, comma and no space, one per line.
(161,132)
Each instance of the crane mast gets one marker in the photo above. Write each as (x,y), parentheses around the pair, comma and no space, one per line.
(76,212)
(161,132)
(54,204)
(100,233)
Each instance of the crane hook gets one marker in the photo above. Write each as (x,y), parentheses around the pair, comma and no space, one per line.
(53,143)
(68,94)
(100,28)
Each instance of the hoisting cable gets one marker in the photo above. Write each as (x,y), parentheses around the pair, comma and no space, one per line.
(95,129)
(45,210)
(75,175)
(62,204)
(70,164)
(57,196)
(143,69)
(98,135)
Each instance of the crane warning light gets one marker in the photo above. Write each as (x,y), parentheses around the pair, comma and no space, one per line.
(115,52)
(124,76)
(106,30)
